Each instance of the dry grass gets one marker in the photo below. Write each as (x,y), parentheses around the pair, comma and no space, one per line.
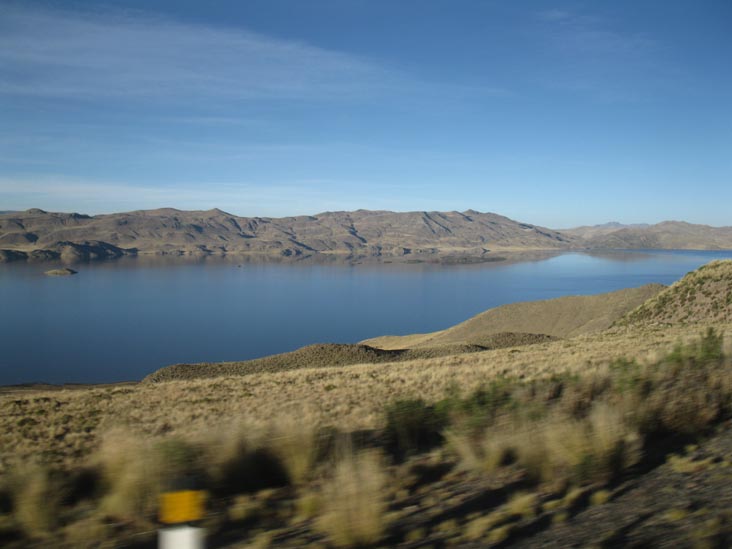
(704,295)
(353,508)
(337,355)
(295,443)
(479,528)
(557,449)
(560,317)
(523,504)
(64,426)
(486,451)
(132,472)
(593,449)
(36,499)
(88,532)
(600,497)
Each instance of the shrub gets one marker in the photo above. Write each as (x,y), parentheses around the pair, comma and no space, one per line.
(484,404)
(708,349)
(237,460)
(412,425)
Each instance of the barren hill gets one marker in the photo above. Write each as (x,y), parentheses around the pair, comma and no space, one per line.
(37,234)
(704,295)
(668,235)
(588,231)
(561,317)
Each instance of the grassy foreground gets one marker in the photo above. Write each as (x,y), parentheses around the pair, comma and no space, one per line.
(75,468)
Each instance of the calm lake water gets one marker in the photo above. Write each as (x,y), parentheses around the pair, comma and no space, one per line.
(121,320)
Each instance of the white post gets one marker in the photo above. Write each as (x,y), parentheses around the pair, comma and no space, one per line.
(180,537)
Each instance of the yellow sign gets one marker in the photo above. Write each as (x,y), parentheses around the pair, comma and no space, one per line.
(183,506)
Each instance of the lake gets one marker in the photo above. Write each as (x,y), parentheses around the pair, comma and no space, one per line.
(123,319)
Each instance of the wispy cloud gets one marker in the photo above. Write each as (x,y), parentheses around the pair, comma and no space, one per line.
(589,56)
(63,54)
(591,35)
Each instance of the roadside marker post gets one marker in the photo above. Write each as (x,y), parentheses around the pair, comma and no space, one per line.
(180,537)
(177,510)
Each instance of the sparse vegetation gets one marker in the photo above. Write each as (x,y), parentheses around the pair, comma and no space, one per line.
(353,506)
(37,499)
(413,425)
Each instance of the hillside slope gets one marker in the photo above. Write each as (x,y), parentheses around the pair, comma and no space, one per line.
(668,235)
(702,296)
(359,233)
(330,355)
(561,317)
(587,231)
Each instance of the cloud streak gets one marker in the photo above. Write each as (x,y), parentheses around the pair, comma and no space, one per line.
(591,57)
(56,54)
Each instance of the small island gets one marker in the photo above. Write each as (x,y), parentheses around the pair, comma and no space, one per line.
(61,272)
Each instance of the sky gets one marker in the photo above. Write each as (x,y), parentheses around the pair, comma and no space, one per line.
(554,113)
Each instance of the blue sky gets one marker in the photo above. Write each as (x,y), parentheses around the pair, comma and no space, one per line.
(555,113)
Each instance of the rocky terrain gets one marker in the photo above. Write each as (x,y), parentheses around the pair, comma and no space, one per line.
(36,234)
(449,237)
(60,272)
(586,231)
(668,235)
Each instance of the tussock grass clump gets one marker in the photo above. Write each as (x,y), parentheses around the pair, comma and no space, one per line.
(480,527)
(295,443)
(132,475)
(136,471)
(37,498)
(486,451)
(353,507)
(523,504)
(595,449)
(556,449)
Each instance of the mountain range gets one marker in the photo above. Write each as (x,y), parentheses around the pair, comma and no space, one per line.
(461,236)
